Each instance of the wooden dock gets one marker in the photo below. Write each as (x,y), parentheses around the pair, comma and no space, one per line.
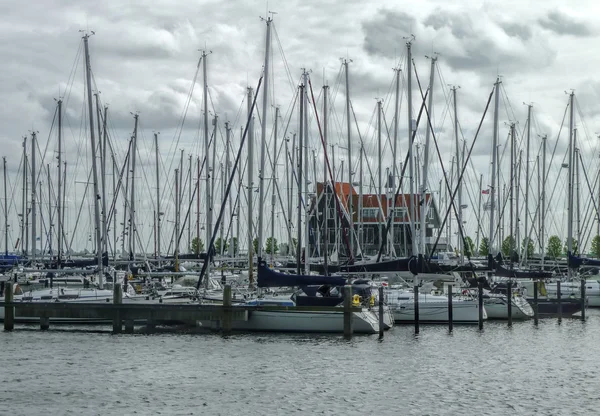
(149,314)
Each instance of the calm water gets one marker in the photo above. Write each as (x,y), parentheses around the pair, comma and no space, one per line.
(549,370)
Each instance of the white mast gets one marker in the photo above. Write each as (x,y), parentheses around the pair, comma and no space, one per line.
(411,162)
(350,202)
(263,142)
(570,191)
(33,191)
(158,213)
(493,187)
(305,169)
(458,181)
(273,181)
(250,185)
(94,167)
(527,233)
(423,226)
(132,228)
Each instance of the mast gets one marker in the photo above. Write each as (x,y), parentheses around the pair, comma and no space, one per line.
(24,214)
(228,174)
(479,213)
(577,185)
(527,233)
(114,187)
(290,184)
(208,165)
(273,181)
(411,161)
(360,216)
(250,184)
(177,215)
(299,170)
(132,198)
(263,143)
(5,211)
(350,202)
(103,172)
(423,226)
(325,227)
(59,224)
(158,213)
(33,194)
(189,222)
(493,185)
(512,193)
(570,191)
(94,167)
(49,235)
(379,177)
(305,176)
(458,181)
(394,154)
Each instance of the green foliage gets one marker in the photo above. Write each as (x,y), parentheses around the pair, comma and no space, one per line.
(596,246)
(527,242)
(469,247)
(574,245)
(218,244)
(272,246)
(554,247)
(255,246)
(484,247)
(507,245)
(195,247)
(234,241)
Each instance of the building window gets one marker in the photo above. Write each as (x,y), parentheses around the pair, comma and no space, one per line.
(370,236)
(370,213)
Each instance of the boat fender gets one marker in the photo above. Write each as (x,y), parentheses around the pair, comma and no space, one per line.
(356,300)
(372,300)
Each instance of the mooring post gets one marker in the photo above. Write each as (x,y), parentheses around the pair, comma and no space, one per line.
(535,302)
(559,300)
(227,312)
(450,312)
(416,305)
(348,321)
(9,310)
(381,328)
(44,322)
(129,326)
(117,300)
(583,300)
(509,296)
(480,296)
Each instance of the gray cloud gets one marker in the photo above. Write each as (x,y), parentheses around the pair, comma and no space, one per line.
(563,24)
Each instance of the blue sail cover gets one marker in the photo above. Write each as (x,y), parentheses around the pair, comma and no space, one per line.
(575,261)
(271,278)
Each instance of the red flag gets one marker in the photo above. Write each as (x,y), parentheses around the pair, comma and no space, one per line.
(485,191)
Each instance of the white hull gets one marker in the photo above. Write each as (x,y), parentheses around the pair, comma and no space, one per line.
(365,322)
(496,307)
(432,308)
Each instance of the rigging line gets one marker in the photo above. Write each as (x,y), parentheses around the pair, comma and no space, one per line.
(228,190)
(336,199)
(397,193)
(462,171)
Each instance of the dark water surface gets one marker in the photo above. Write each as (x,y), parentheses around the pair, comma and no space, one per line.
(549,370)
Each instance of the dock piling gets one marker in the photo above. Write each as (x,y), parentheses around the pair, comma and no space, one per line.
(9,311)
(44,322)
(226,324)
(117,300)
(129,326)
(348,321)
(509,297)
(450,312)
(559,300)
(416,304)
(480,296)
(381,312)
(583,302)
(535,302)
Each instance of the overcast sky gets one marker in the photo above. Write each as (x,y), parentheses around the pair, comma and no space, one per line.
(144,57)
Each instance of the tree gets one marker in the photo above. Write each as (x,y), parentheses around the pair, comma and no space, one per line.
(508,245)
(195,247)
(527,242)
(255,246)
(272,247)
(234,241)
(574,246)
(484,247)
(596,246)
(469,246)
(554,247)
(218,244)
